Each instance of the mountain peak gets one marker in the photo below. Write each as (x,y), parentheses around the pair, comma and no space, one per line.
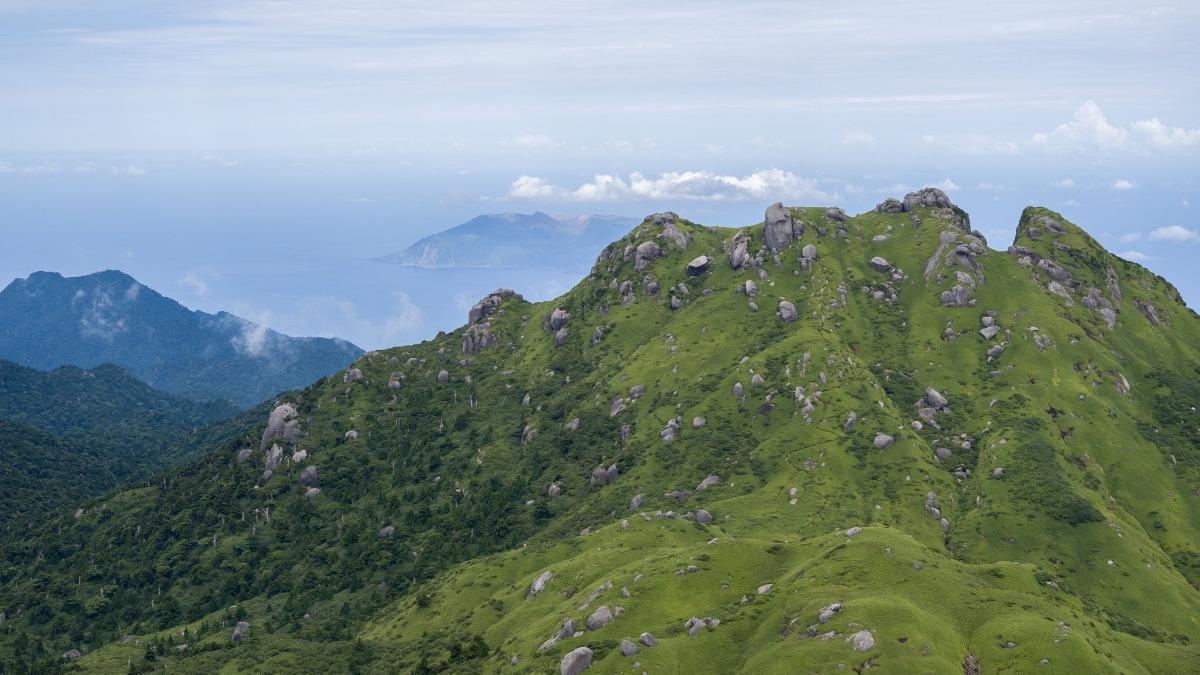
(48,320)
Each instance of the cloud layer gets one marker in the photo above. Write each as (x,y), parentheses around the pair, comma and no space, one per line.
(769,184)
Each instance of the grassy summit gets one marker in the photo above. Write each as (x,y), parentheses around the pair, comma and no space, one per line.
(901,450)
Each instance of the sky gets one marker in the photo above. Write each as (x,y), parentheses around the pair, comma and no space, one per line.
(255,156)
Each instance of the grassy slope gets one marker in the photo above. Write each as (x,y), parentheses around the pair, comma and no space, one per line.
(1093,463)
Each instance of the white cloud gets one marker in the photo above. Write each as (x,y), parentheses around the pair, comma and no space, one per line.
(1065,183)
(993,187)
(971,144)
(947,185)
(40,168)
(1177,233)
(1165,138)
(194,283)
(530,142)
(1120,185)
(1070,201)
(1136,256)
(532,187)
(857,137)
(676,185)
(1088,128)
(1131,236)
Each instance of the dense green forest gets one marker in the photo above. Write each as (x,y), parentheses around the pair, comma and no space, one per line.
(74,433)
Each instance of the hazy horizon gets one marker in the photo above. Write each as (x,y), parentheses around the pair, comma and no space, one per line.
(254,157)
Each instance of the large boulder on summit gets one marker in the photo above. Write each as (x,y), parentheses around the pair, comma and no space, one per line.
(777,227)
(929,197)
(889,205)
(487,306)
(676,236)
(835,214)
(663,219)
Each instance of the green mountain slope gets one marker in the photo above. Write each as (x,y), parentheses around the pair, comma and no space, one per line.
(969,459)
(71,433)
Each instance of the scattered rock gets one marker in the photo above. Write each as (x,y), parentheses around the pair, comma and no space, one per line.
(883,441)
(862,641)
(240,631)
(628,648)
(827,613)
(880,265)
(787,311)
(487,306)
(645,254)
(709,481)
(353,375)
(647,639)
(576,661)
(539,583)
(599,618)
(777,227)
(282,423)
(699,265)
(559,318)
(387,531)
(889,205)
(309,475)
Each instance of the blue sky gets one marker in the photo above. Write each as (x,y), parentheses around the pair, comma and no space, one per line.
(242,155)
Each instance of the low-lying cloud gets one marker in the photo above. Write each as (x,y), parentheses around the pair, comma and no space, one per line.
(674,185)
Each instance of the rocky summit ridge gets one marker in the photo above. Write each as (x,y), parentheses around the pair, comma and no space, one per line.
(816,443)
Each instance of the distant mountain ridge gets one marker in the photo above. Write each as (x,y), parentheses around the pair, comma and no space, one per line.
(48,320)
(515,240)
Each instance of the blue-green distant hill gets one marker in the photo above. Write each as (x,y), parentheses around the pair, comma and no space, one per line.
(48,320)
